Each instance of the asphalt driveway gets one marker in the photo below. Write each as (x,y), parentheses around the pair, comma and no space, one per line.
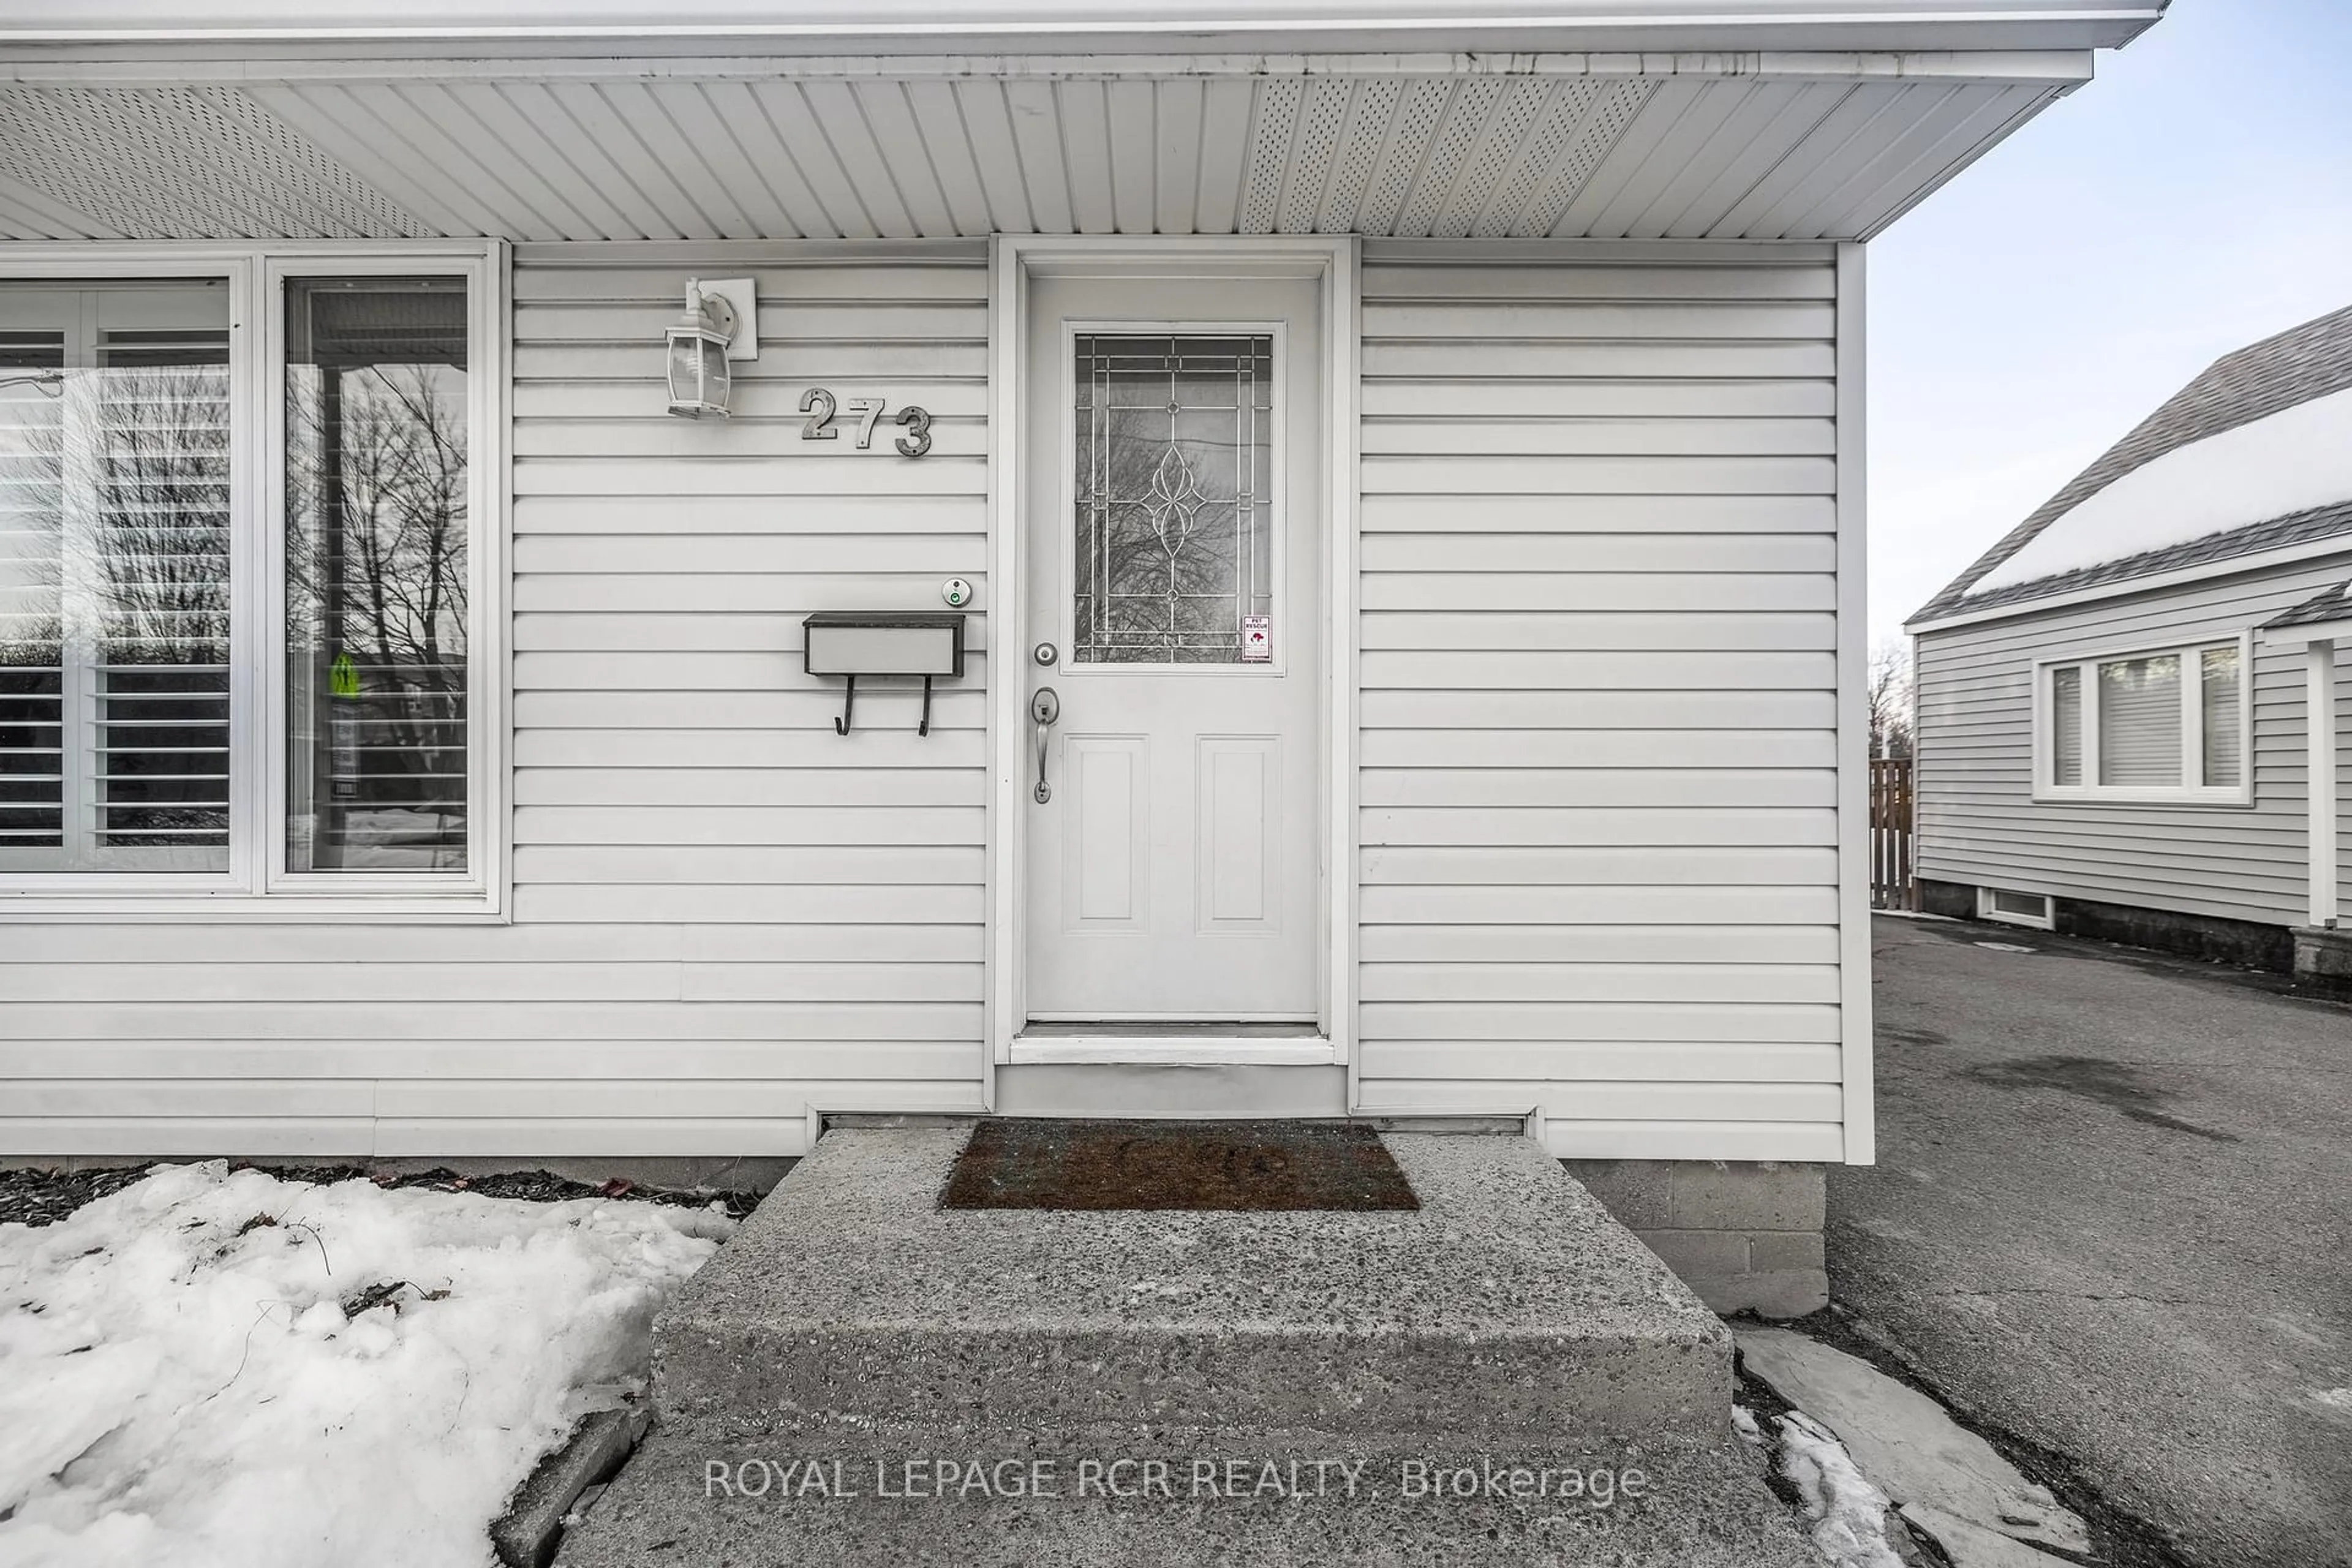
(2113,1215)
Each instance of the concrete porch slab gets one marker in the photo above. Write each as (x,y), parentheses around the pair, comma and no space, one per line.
(1510,1305)
(1388,1387)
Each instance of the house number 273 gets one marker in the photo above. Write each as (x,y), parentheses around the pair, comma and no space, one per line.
(821,410)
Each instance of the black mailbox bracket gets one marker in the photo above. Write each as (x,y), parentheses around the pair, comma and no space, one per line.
(851,643)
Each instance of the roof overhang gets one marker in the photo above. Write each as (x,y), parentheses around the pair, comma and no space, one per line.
(1772,146)
(444,28)
(2123,587)
(2307,632)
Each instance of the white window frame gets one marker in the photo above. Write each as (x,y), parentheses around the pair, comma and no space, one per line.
(2189,651)
(257,885)
(1987,910)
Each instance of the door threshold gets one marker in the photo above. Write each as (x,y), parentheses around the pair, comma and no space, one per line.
(1174,1044)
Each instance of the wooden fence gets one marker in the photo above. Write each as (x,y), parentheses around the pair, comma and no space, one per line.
(1891,886)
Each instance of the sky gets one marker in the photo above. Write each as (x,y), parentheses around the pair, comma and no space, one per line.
(2196,197)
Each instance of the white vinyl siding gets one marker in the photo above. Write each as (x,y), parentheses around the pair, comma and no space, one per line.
(1598,787)
(724,914)
(1981,825)
(1598,800)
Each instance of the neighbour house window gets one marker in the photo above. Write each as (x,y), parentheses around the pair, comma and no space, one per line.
(2161,725)
(241,614)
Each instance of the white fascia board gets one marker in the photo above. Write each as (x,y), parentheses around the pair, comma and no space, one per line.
(930,26)
(2057,69)
(2310,550)
(2309,632)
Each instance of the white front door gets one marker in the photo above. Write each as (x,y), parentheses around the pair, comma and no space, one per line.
(1172,549)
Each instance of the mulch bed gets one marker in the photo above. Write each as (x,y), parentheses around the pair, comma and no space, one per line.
(39,1197)
(1020,1163)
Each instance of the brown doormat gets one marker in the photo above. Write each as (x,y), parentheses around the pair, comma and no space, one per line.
(1017,1162)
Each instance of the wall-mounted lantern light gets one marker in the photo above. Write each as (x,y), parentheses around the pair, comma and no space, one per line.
(699,377)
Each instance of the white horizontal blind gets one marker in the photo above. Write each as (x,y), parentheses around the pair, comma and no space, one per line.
(159,532)
(32,693)
(2224,731)
(114,565)
(2067,725)
(2140,720)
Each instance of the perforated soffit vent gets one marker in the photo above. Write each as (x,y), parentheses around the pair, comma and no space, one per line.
(186,162)
(1485,156)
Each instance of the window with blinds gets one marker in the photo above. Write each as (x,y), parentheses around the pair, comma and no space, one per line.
(2066,706)
(2140,720)
(2158,725)
(2225,734)
(114,577)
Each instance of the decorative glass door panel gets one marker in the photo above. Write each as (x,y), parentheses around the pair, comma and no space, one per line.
(1174,498)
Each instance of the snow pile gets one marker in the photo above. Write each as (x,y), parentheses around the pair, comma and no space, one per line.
(2289,462)
(228,1371)
(1848,1514)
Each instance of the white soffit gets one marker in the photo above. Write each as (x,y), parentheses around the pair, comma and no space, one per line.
(1563,146)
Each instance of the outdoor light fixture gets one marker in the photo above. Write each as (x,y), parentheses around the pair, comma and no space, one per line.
(699,379)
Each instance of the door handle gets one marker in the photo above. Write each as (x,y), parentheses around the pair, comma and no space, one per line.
(1044,707)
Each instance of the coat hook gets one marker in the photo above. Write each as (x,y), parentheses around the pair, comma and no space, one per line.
(849,701)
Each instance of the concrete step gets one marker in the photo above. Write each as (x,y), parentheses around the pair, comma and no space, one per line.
(686,1502)
(1510,1306)
(1352,1375)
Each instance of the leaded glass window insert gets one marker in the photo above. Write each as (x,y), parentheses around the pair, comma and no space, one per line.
(1175,508)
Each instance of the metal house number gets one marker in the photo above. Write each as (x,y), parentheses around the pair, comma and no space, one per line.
(818,404)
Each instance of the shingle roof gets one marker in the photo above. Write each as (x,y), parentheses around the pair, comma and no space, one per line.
(2260,380)
(2329,604)
(2321,522)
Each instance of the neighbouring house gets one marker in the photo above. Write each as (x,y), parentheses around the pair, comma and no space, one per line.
(1258,561)
(2130,724)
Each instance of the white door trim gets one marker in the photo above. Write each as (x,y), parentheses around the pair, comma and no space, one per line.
(1013,259)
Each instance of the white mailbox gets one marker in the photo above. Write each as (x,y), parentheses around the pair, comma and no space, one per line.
(851,643)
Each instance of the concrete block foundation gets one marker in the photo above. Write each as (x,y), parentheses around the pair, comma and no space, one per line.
(2246,944)
(1745,1236)
(2322,961)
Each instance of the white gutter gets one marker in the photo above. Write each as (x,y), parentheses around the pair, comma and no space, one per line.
(932,26)
(2057,69)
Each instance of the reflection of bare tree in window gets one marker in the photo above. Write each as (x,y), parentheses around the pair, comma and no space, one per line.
(114,643)
(376,602)
(160,583)
(1173,537)
(32,625)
